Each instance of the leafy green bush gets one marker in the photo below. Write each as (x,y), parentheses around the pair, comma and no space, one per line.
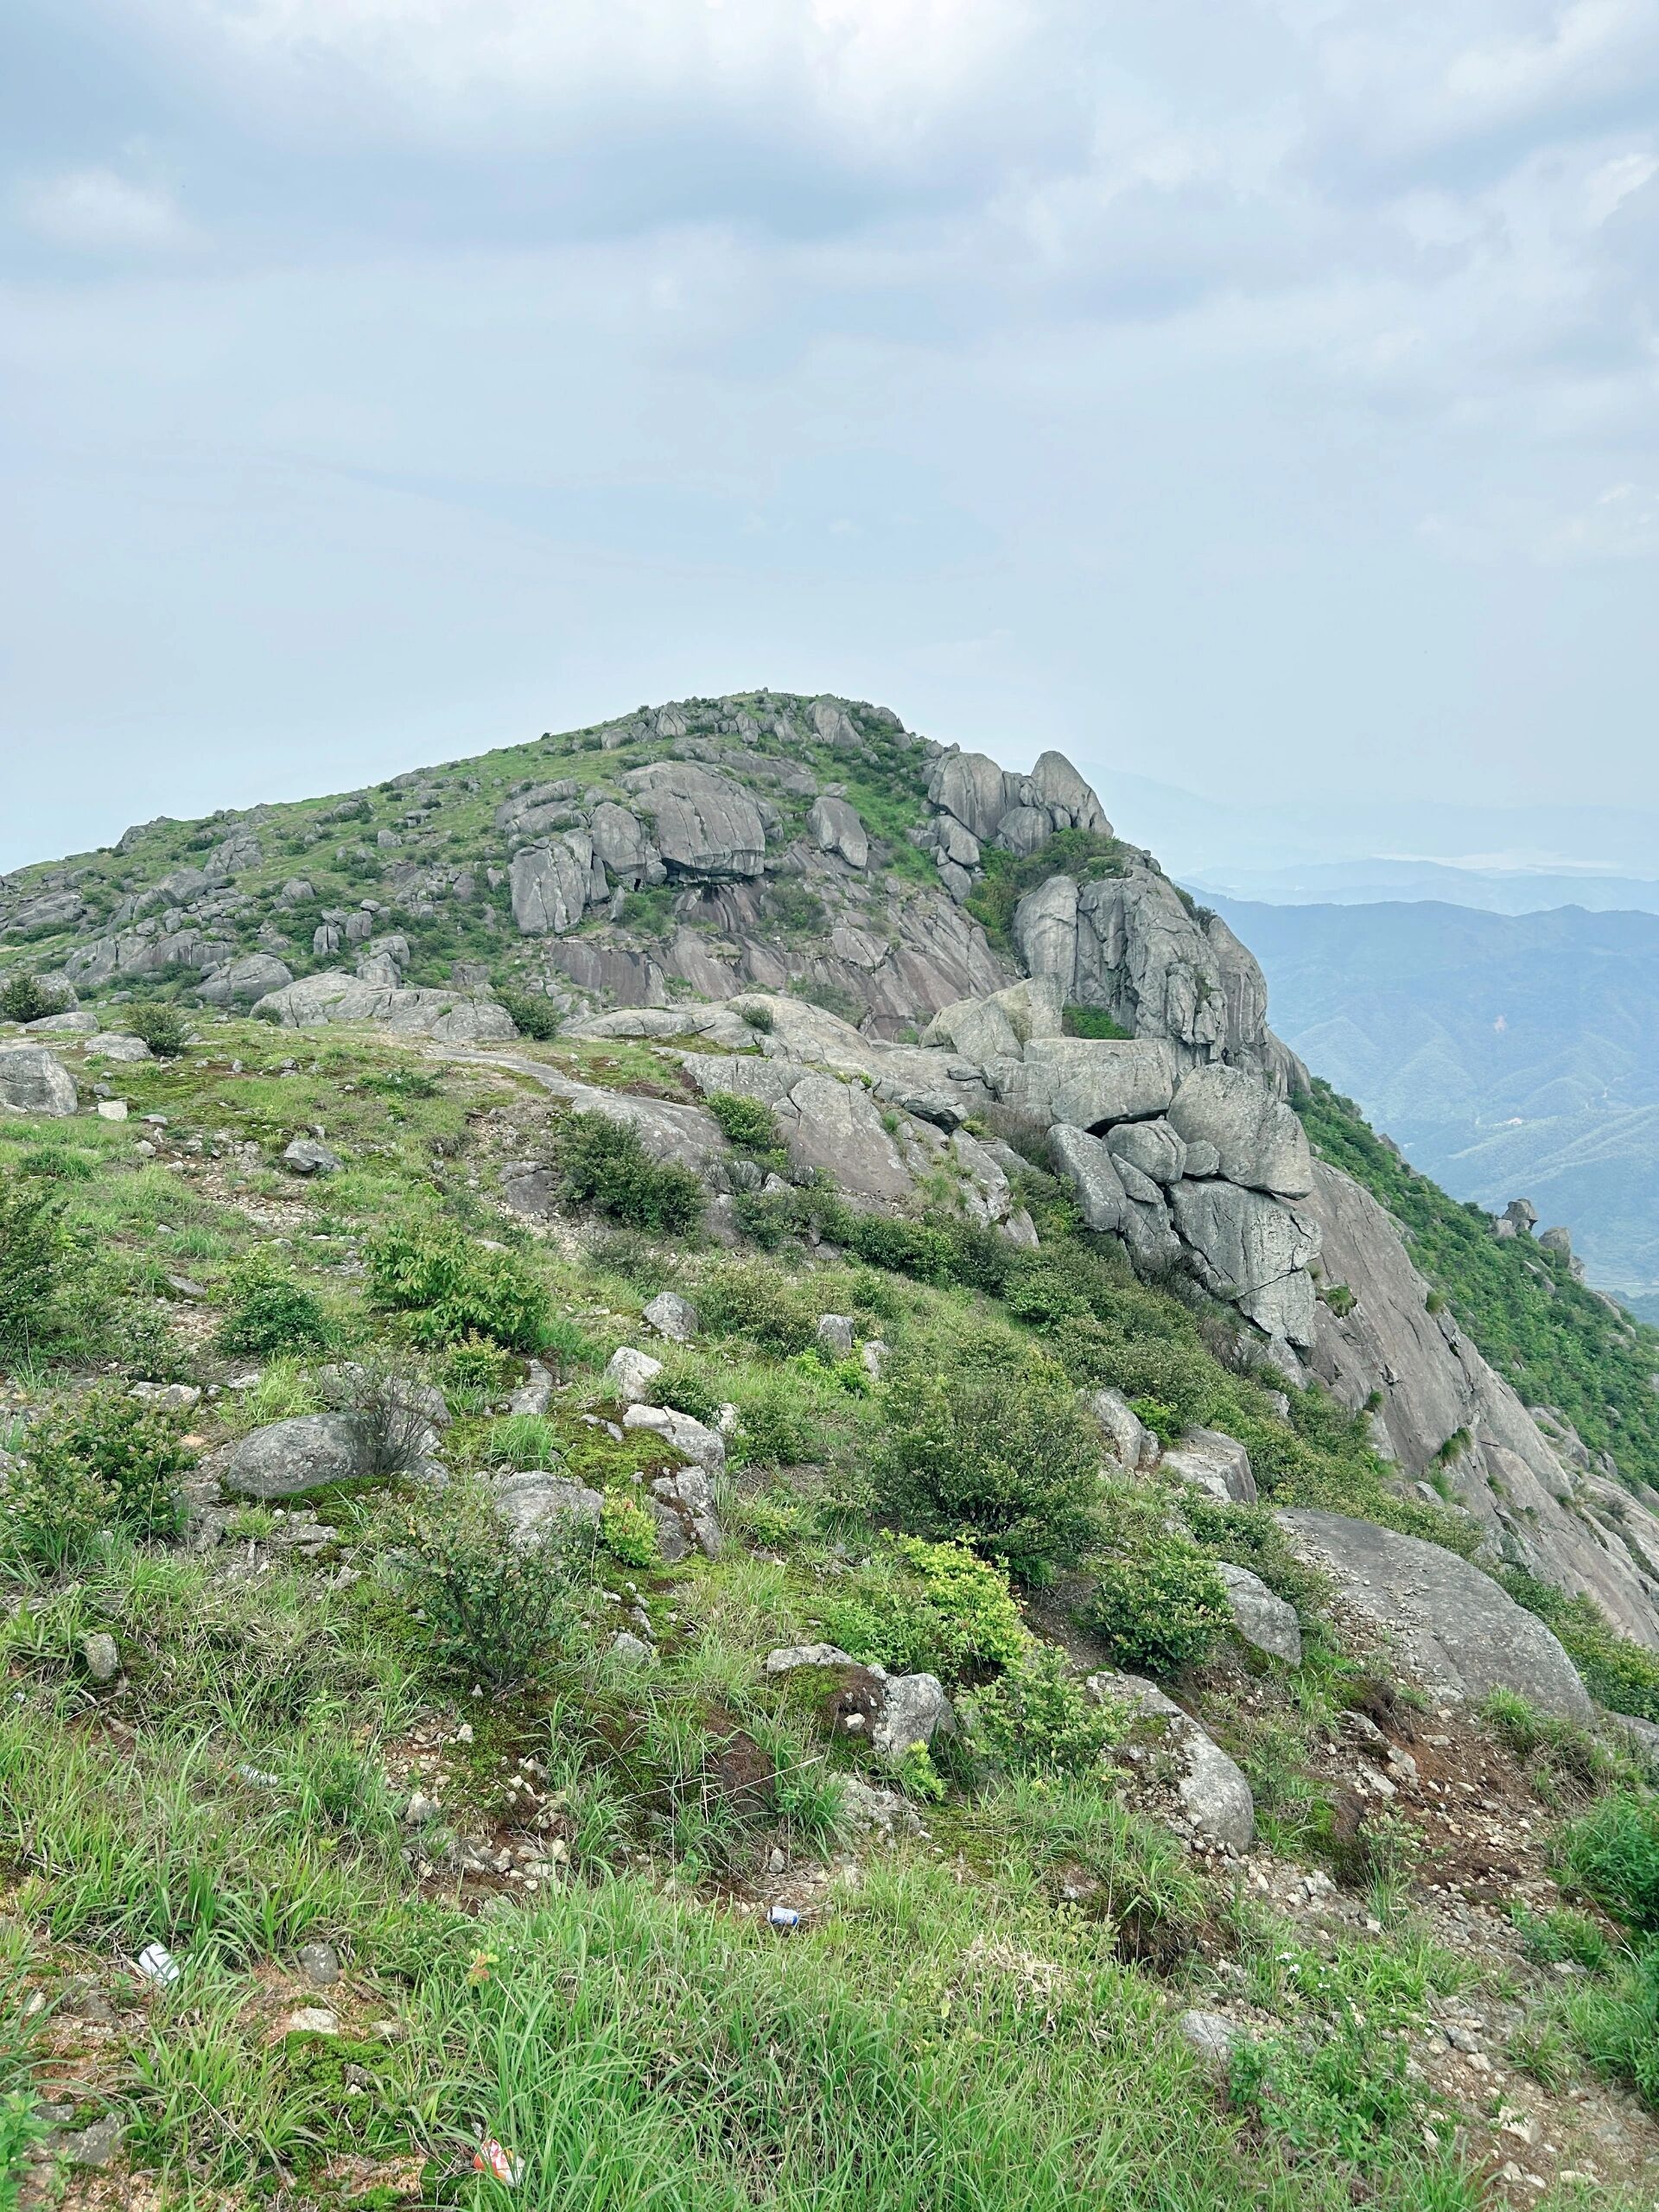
(758,1018)
(451,1288)
(531,1012)
(1623,1676)
(1091,1021)
(161,1026)
(688,1384)
(749,1123)
(742,1298)
(1038,1718)
(604,1163)
(775,1425)
(100,1461)
(26,998)
(629,1530)
(919,1607)
(269,1312)
(31,1268)
(984,1442)
(497,1612)
(1157,1602)
(1612,1853)
(1007,876)
(1247,1536)
(476,1364)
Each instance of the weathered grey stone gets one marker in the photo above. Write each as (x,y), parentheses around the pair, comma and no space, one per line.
(691,1438)
(835,1335)
(1131,1443)
(1202,1160)
(1044,929)
(837,1127)
(633,1651)
(1214,1462)
(1056,784)
(539,1504)
(837,828)
(34,1081)
(914,1710)
(1092,1173)
(97,2145)
(977,1028)
(103,1659)
(1093,1082)
(319,1964)
(535,1394)
(78,1021)
(1152,1147)
(169,1397)
(972,787)
(1215,1798)
(306,1156)
(1024,830)
(1212,2037)
(1260,1617)
(629,1373)
(240,982)
(672,1316)
(706,824)
(113,1045)
(620,839)
(1253,1250)
(309,1451)
(552,884)
(1452,1627)
(451,1016)
(884,1813)
(1259,1139)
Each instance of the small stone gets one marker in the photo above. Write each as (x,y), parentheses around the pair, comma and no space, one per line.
(630,1649)
(630,1373)
(835,1335)
(319,1964)
(313,2020)
(420,1810)
(672,1316)
(776,1861)
(305,1156)
(111,1110)
(169,1397)
(1212,2034)
(103,1660)
(96,2145)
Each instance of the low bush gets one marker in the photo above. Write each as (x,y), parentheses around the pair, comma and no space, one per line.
(27,998)
(1613,1854)
(525,1442)
(102,1461)
(32,1259)
(603,1163)
(451,1289)
(627,1530)
(1091,1021)
(741,1299)
(775,1425)
(1623,1676)
(985,1443)
(496,1612)
(689,1384)
(748,1123)
(919,1607)
(1158,1602)
(1038,1718)
(476,1363)
(269,1312)
(162,1026)
(531,1012)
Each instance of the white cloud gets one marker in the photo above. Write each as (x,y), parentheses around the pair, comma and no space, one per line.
(97,211)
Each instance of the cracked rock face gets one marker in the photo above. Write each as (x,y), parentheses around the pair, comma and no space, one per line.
(34,1081)
(1252,1251)
(705,823)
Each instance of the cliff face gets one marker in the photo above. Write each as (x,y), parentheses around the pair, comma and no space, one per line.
(914,937)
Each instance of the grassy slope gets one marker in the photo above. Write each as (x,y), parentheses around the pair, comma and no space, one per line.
(950,2033)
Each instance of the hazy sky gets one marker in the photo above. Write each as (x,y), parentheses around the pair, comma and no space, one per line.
(1258,395)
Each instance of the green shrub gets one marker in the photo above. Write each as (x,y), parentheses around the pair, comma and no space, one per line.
(476,1363)
(919,1607)
(32,1259)
(758,1018)
(269,1312)
(496,1611)
(1091,1021)
(100,1461)
(531,1012)
(984,1442)
(451,1288)
(749,1123)
(1163,1420)
(1613,1854)
(1623,1676)
(26,998)
(1157,1602)
(1038,1718)
(161,1026)
(688,1384)
(1085,853)
(604,1163)
(775,1425)
(743,1299)
(629,1530)
(1247,1536)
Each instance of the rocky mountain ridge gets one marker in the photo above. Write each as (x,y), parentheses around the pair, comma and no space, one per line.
(891,945)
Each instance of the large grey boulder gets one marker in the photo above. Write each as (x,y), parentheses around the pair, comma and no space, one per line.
(538,1505)
(115,1045)
(1152,1148)
(1259,1140)
(240,982)
(453,1017)
(671,1316)
(311,1451)
(1056,784)
(692,1438)
(705,823)
(914,1710)
(1452,1628)
(1092,1173)
(970,786)
(620,841)
(1044,929)
(305,1156)
(1254,1250)
(630,1373)
(552,885)
(1261,1617)
(34,1081)
(1211,1461)
(1129,1441)
(1093,1082)
(979,1029)
(1216,1806)
(789,1657)
(837,1127)
(836,828)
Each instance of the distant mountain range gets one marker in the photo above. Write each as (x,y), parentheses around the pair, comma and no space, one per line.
(1502,859)
(1509,1055)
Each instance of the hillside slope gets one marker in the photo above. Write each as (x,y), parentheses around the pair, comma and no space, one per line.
(764,1531)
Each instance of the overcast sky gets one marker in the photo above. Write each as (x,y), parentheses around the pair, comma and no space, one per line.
(1257,395)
